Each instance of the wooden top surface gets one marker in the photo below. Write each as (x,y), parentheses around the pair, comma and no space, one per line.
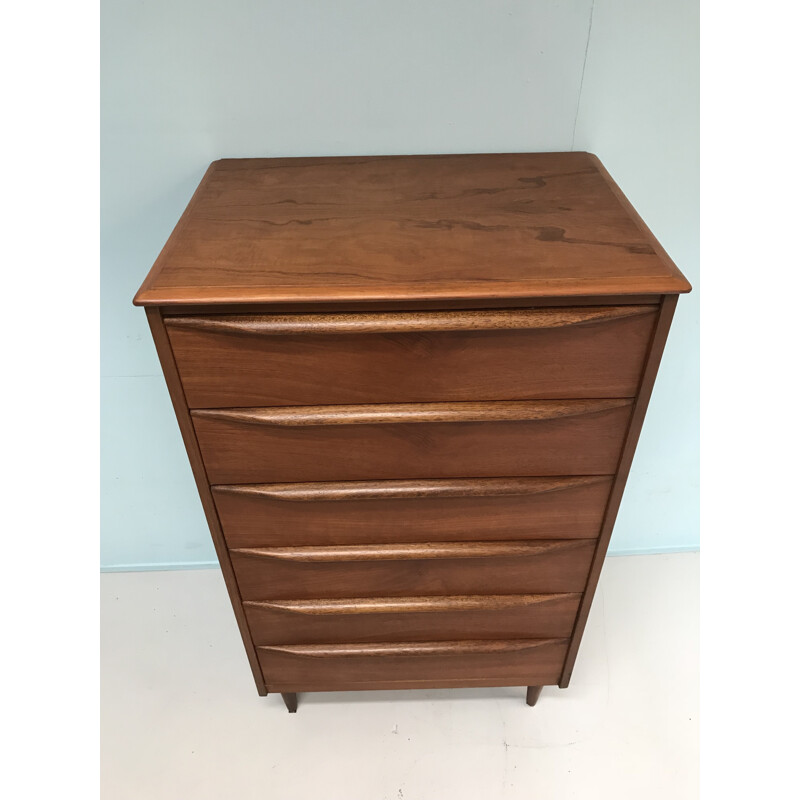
(388,228)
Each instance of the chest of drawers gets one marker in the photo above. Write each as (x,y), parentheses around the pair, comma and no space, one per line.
(410,389)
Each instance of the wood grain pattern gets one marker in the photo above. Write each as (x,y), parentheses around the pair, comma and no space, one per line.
(404,551)
(633,214)
(403,306)
(455,648)
(567,438)
(161,341)
(541,567)
(412,619)
(375,512)
(342,491)
(431,322)
(412,665)
(403,605)
(395,684)
(623,469)
(410,389)
(409,413)
(405,228)
(268,360)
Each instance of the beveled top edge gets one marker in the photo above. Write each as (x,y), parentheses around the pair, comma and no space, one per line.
(177,297)
(487,288)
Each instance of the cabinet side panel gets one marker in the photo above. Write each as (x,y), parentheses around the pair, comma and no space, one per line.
(649,373)
(167,360)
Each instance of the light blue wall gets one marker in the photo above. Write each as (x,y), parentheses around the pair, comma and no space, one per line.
(639,112)
(184,83)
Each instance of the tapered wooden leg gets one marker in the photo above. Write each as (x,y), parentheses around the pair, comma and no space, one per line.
(290,698)
(533,695)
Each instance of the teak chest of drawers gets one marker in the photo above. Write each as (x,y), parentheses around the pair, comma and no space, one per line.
(410,389)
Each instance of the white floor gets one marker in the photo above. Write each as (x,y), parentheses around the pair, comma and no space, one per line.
(181,717)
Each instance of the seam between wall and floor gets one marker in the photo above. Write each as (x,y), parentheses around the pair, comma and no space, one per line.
(164,566)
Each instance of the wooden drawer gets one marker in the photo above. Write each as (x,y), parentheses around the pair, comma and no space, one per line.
(449,568)
(412,619)
(363,512)
(408,665)
(435,440)
(318,359)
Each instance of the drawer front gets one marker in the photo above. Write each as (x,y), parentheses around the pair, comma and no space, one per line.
(319,359)
(412,619)
(363,512)
(454,568)
(447,440)
(408,665)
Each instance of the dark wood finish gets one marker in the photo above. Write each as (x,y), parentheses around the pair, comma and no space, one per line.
(426,322)
(458,488)
(330,667)
(623,469)
(413,619)
(308,359)
(335,554)
(165,356)
(308,573)
(290,700)
(389,228)
(473,304)
(381,512)
(410,413)
(424,441)
(416,385)
(533,695)
(633,214)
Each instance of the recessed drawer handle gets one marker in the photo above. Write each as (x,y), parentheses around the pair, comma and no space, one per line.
(425,322)
(411,648)
(413,552)
(410,605)
(404,413)
(408,490)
